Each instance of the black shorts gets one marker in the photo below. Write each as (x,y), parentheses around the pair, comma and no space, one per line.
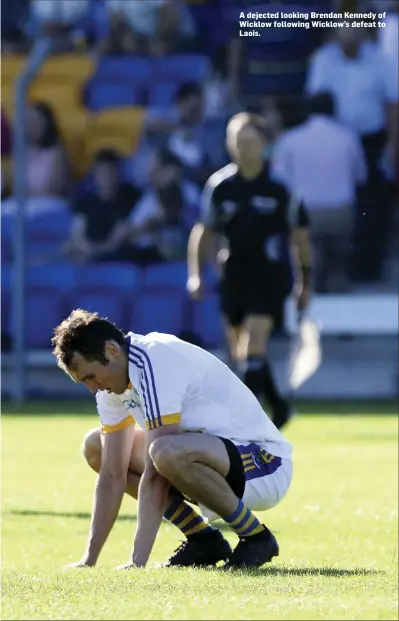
(235,477)
(242,296)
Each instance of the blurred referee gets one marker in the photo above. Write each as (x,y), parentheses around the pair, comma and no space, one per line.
(253,221)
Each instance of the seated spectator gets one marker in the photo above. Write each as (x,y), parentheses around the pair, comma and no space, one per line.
(100,216)
(322,163)
(48,173)
(198,143)
(215,88)
(157,27)
(60,19)
(160,225)
(14,15)
(48,180)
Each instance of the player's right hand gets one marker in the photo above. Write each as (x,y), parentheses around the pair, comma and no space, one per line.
(194,287)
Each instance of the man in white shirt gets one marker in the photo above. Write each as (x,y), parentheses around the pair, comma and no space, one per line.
(364,83)
(322,162)
(204,437)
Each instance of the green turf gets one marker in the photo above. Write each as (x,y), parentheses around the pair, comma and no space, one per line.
(337,531)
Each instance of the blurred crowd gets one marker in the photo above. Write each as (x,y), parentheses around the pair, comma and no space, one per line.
(329,99)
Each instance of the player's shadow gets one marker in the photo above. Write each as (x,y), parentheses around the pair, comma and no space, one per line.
(79,515)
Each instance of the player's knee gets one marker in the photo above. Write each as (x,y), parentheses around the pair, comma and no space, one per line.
(91,449)
(165,453)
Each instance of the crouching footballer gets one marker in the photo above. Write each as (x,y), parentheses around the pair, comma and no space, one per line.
(177,427)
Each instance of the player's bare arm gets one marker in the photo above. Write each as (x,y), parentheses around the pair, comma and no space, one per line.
(152,501)
(111,485)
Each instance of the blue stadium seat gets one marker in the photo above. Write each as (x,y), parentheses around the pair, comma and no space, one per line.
(44,311)
(207,321)
(162,94)
(6,250)
(182,68)
(135,69)
(102,94)
(122,276)
(111,306)
(166,276)
(54,225)
(158,312)
(59,277)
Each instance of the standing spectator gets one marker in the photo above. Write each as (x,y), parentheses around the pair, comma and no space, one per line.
(322,162)
(365,85)
(100,216)
(158,27)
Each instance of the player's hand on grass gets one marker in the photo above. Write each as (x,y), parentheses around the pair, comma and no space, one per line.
(194,287)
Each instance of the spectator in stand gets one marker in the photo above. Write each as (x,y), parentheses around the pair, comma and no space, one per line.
(157,27)
(160,225)
(272,63)
(322,162)
(48,179)
(14,15)
(100,217)
(61,19)
(197,142)
(365,86)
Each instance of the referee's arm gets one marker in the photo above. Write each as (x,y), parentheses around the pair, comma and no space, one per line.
(302,249)
(202,243)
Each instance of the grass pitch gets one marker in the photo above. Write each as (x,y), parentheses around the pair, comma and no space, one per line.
(337,530)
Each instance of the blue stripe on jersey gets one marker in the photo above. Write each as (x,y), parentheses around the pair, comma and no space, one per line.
(140,352)
(145,389)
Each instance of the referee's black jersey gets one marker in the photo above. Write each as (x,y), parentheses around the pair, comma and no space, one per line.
(255,217)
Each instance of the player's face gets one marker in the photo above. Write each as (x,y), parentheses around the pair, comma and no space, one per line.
(112,377)
(246,145)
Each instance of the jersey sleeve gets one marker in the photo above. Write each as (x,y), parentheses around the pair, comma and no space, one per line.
(209,211)
(113,415)
(165,377)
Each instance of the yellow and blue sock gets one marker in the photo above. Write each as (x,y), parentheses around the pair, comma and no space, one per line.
(243,522)
(182,515)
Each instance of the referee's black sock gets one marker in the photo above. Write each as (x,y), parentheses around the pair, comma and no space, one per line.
(270,389)
(253,375)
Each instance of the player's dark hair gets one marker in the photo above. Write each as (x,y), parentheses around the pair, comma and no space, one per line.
(322,103)
(84,333)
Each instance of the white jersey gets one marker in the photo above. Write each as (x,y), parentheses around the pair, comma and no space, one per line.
(174,382)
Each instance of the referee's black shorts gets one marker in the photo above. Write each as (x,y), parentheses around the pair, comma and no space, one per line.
(260,293)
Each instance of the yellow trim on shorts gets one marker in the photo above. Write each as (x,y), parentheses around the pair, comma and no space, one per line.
(167,419)
(129,420)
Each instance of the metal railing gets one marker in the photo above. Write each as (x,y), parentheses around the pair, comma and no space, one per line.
(36,58)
